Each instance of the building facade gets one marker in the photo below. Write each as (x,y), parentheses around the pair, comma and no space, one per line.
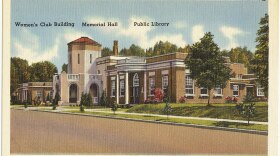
(133,80)
(34,91)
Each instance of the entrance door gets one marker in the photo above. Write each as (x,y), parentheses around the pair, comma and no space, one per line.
(73,93)
(136,92)
(94,93)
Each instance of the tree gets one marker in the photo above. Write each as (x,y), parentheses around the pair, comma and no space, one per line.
(206,64)
(247,108)
(241,55)
(42,71)
(106,52)
(19,73)
(260,60)
(133,50)
(64,67)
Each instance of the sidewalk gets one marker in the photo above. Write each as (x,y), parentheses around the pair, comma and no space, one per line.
(181,117)
(61,109)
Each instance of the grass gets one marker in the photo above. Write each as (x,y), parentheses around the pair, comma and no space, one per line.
(221,111)
(179,120)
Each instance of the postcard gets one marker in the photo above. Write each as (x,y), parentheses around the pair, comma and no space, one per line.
(141,77)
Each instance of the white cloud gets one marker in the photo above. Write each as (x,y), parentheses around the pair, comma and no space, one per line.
(71,35)
(230,33)
(27,47)
(180,25)
(197,32)
(140,34)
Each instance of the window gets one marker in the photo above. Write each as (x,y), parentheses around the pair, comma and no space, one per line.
(122,89)
(90,58)
(151,86)
(260,91)
(39,93)
(218,91)
(203,91)
(189,86)
(135,80)
(235,89)
(113,88)
(78,58)
(164,82)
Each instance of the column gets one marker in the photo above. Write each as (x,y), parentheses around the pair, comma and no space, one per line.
(117,89)
(126,89)
(145,85)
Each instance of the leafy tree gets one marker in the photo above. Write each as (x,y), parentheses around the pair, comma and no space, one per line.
(241,55)
(133,50)
(19,73)
(114,107)
(206,64)
(247,108)
(106,52)
(260,60)
(42,71)
(64,67)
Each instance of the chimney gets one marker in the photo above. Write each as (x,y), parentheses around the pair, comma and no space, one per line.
(116,48)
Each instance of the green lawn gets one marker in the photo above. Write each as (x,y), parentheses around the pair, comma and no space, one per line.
(221,111)
(178,120)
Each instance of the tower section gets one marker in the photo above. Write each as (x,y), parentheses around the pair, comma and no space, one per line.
(82,54)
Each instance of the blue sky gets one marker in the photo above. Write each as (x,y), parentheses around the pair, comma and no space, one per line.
(233,23)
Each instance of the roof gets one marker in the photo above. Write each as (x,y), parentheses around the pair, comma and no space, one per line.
(85,40)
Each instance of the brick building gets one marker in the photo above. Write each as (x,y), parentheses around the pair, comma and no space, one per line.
(34,91)
(132,80)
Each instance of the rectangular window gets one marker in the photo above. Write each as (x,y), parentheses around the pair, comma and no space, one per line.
(164,82)
(260,91)
(90,58)
(122,89)
(218,91)
(113,88)
(151,86)
(203,91)
(39,93)
(189,86)
(78,58)
(235,90)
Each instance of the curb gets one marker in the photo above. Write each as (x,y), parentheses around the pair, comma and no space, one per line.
(159,122)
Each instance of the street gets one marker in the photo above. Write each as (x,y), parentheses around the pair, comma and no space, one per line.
(52,133)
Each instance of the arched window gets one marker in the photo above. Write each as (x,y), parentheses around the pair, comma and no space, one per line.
(135,80)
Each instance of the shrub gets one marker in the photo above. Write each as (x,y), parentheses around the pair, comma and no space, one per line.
(158,95)
(86,99)
(247,108)
(182,99)
(104,99)
(55,100)
(114,107)
(148,101)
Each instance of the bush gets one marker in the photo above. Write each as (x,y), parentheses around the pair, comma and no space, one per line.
(55,100)
(104,100)
(247,108)
(114,107)
(86,99)
(182,99)
(158,95)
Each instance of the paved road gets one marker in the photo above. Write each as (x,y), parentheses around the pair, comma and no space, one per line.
(50,133)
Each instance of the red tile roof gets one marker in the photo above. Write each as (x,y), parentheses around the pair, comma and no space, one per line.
(85,40)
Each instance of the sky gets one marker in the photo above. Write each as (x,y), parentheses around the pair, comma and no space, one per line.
(233,23)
